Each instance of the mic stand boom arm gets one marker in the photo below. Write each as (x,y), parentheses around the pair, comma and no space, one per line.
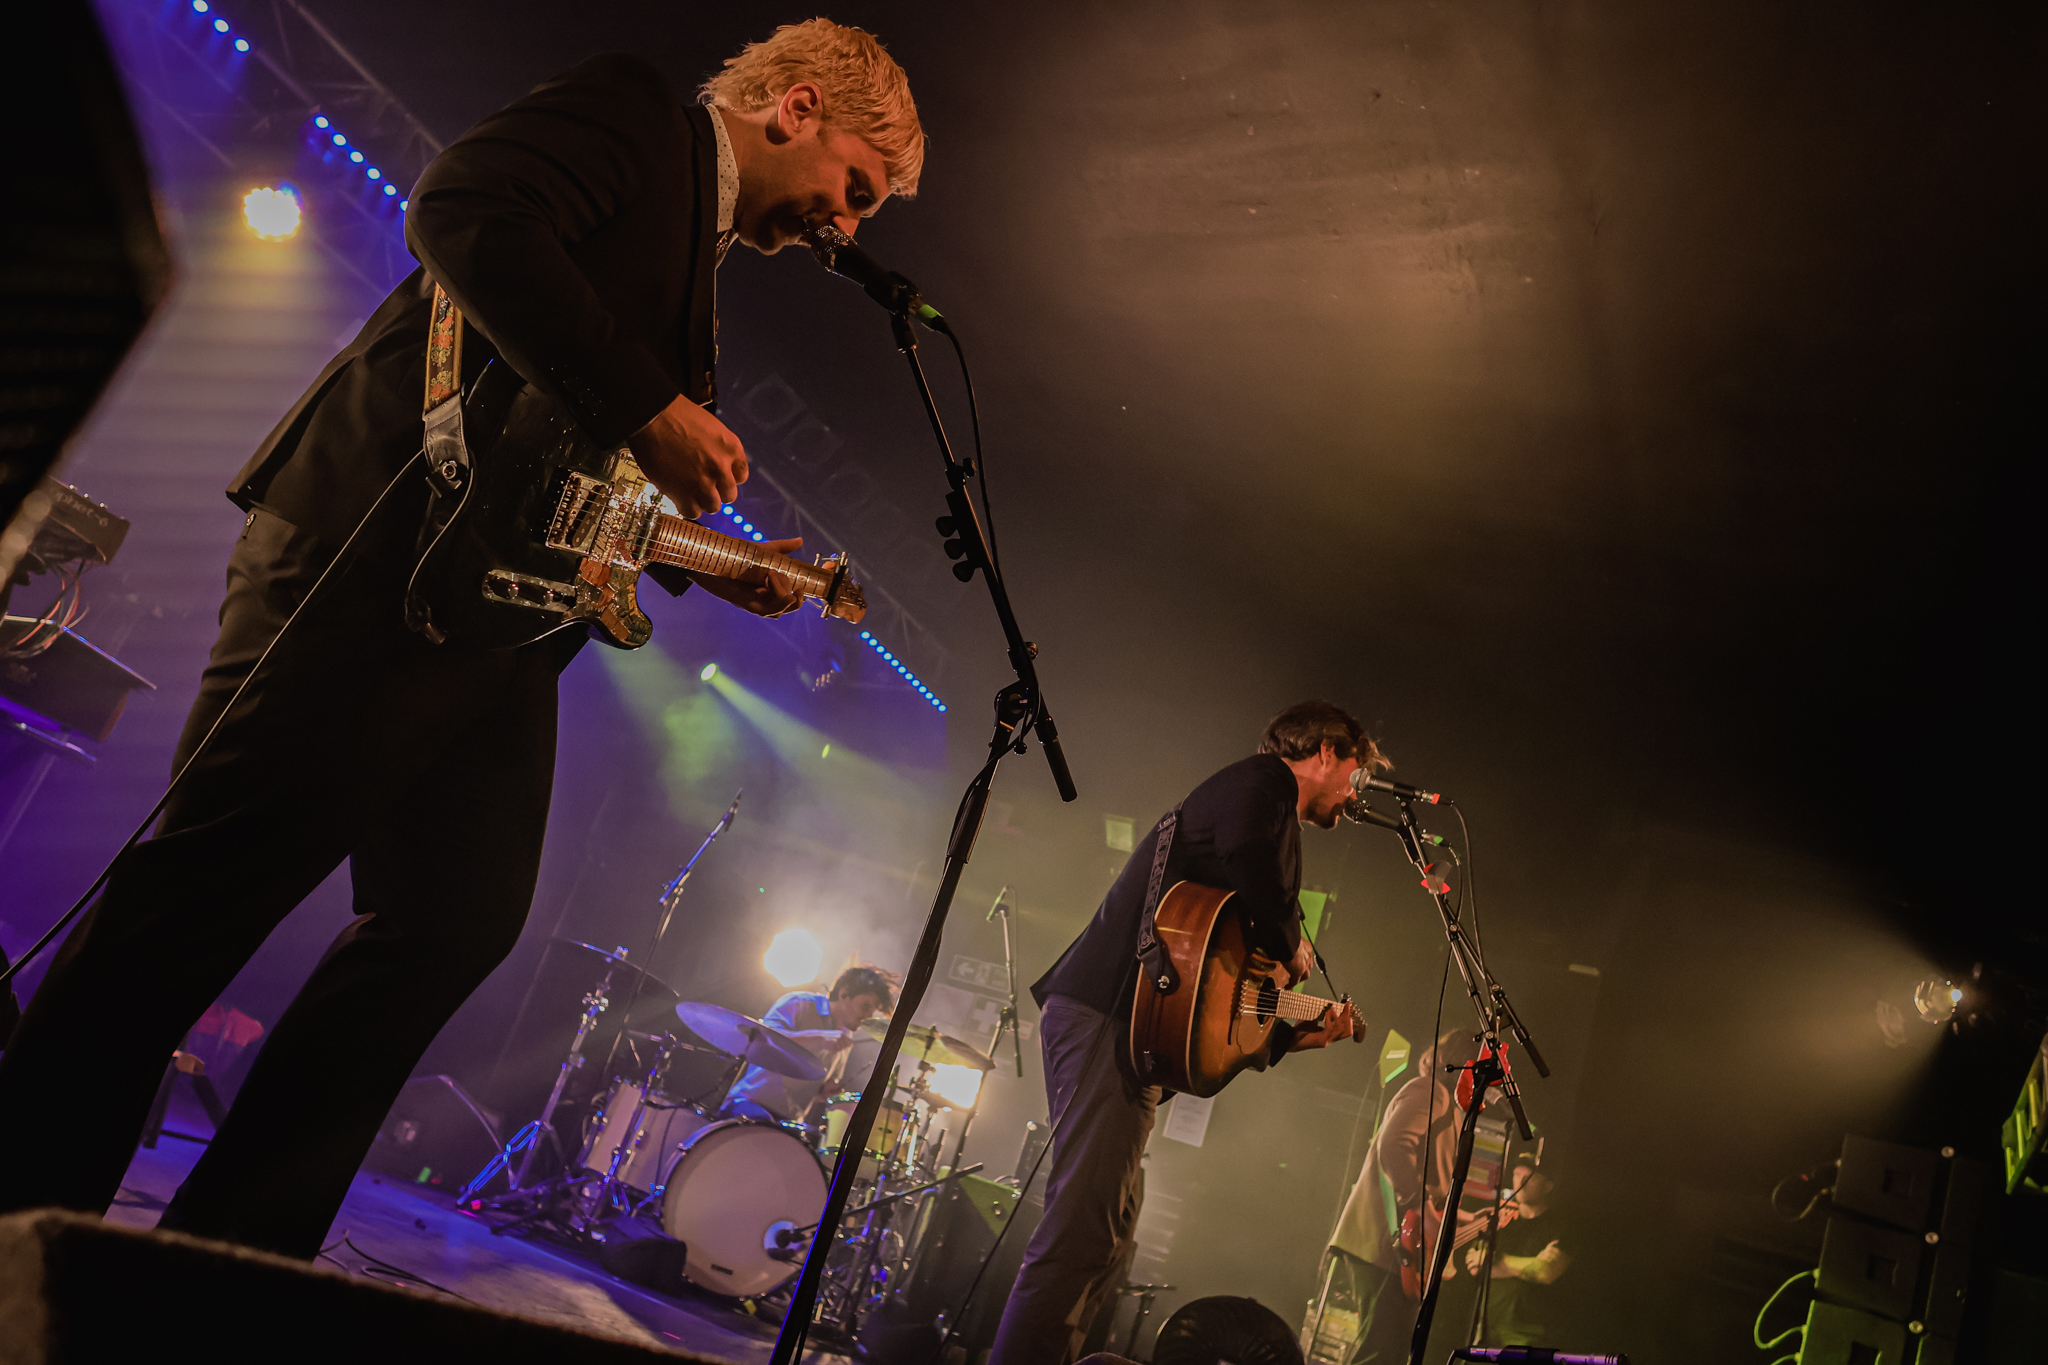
(1020,710)
(1490,1002)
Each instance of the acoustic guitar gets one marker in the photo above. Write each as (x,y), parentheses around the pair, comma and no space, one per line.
(1220,1019)
(551,530)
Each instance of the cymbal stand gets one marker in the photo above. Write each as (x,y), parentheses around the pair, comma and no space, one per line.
(1006,1021)
(527,1139)
(671,896)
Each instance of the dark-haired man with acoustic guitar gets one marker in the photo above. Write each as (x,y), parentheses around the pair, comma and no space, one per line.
(1241,831)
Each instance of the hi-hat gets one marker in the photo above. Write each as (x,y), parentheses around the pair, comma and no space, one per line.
(923,1043)
(749,1039)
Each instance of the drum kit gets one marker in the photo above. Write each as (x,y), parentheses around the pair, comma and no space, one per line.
(741,1195)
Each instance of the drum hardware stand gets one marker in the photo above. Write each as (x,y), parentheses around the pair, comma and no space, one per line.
(671,896)
(528,1138)
(1020,712)
(1005,1021)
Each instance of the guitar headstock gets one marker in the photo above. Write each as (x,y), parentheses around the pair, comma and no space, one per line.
(848,604)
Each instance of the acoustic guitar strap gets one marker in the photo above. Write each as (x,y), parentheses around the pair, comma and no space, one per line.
(1152,954)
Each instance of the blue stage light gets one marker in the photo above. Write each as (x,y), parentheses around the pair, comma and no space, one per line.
(340,141)
(374,173)
(404,204)
(356,157)
(220,26)
(320,121)
(757,535)
(241,44)
(391,189)
(199,6)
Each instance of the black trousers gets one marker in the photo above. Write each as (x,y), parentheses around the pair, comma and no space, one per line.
(427,767)
(1093,1194)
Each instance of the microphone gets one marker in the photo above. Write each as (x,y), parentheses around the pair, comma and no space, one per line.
(1359,813)
(1361,781)
(837,253)
(733,809)
(1002,901)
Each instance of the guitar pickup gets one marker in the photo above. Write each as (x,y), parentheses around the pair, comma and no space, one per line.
(579,514)
(524,590)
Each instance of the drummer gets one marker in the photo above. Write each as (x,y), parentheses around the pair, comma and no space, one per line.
(826,1027)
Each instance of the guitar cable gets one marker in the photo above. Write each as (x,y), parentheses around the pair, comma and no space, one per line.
(206,741)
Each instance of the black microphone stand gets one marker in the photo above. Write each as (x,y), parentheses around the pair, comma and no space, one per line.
(1020,711)
(1490,1002)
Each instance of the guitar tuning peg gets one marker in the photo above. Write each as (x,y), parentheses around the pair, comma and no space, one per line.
(946,526)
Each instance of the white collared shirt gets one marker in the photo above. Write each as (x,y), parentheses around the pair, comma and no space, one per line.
(728,182)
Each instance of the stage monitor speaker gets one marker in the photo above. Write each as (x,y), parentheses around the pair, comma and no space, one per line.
(76,1289)
(435,1134)
(1885,1181)
(1843,1336)
(82,260)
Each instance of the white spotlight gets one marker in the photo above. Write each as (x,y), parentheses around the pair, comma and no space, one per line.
(794,957)
(958,1085)
(272,213)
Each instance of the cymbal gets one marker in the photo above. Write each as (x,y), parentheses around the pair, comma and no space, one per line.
(745,1037)
(923,1043)
(622,971)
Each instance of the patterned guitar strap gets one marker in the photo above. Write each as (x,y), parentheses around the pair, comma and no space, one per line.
(447,451)
(1152,956)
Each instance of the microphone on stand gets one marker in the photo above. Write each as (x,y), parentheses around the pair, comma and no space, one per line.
(1002,903)
(1361,781)
(837,253)
(1359,812)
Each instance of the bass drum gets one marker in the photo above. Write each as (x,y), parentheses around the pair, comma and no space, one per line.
(735,1185)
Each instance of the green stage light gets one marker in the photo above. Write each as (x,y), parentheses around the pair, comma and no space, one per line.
(710,672)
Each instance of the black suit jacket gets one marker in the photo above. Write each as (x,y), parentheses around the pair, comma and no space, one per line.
(577,231)
(1240,829)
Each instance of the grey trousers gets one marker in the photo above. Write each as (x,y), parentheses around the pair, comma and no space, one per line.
(1103,1119)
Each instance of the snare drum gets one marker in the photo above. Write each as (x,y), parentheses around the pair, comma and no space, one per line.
(664,1124)
(733,1187)
(839,1114)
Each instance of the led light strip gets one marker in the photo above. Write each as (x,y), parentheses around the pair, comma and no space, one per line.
(320,121)
(890,659)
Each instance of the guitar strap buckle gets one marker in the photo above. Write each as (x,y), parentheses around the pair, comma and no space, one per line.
(1153,958)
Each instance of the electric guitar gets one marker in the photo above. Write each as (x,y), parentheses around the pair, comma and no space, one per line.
(1415,1252)
(548,530)
(1220,1019)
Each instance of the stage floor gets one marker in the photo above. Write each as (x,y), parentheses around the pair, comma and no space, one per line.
(419,1231)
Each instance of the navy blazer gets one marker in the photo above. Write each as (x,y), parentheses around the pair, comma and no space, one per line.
(577,231)
(1240,830)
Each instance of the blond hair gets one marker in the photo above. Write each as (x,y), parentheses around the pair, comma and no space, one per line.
(866,93)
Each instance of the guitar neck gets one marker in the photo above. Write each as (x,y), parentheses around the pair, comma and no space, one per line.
(1294,1005)
(700,549)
